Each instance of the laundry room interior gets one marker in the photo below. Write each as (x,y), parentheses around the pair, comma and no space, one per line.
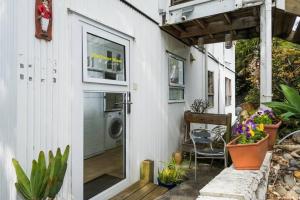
(103,141)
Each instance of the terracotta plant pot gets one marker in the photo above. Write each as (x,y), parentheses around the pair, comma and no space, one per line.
(248,156)
(272,131)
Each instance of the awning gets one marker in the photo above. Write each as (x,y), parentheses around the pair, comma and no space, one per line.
(210,20)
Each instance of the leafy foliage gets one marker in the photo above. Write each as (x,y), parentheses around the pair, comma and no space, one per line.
(290,107)
(286,68)
(199,105)
(171,173)
(264,117)
(44,181)
(249,132)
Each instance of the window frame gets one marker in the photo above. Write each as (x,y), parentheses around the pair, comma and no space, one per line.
(103,34)
(173,85)
(228,94)
(213,87)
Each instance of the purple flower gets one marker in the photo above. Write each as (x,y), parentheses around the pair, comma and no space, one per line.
(250,123)
(248,135)
(238,129)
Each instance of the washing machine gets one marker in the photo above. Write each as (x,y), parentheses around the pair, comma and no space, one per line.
(114,130)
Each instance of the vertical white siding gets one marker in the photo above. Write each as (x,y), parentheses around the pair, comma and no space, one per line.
(35,109)
(8,101)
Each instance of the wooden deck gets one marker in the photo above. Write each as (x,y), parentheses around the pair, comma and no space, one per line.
(141,190)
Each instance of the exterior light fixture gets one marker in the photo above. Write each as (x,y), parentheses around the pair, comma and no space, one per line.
(228,41)
(201,42)
(192,58)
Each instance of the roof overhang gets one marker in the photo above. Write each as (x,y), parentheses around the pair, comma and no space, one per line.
(212,19)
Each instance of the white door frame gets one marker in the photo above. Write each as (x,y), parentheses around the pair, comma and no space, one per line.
(78,25)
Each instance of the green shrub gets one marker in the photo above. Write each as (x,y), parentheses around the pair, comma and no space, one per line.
(171,173)
(44,182)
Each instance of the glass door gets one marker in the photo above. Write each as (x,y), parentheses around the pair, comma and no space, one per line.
(104,141)
(105,78)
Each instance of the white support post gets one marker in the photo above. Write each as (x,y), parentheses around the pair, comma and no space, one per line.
(266,51)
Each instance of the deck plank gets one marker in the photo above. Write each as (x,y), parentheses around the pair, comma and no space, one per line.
(140,194)
(130,190)
(157,192)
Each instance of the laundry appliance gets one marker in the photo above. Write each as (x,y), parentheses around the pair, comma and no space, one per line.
(114,129)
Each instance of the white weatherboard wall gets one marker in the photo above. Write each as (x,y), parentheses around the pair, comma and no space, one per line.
(36,111)
(8,90)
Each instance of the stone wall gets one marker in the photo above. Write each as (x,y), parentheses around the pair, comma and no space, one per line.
(233,184)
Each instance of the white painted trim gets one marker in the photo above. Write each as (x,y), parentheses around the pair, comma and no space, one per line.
(266,52)
(176,101)
(187,4)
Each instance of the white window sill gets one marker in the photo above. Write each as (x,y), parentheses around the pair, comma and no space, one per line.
(176,101)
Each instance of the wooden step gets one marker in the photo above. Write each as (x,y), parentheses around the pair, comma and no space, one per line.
(141,190)
(130,190)
(159,191)
(140,194)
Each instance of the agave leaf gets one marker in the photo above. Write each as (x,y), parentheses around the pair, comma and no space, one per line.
(42,177)
(287,115)
(48,181)
(55,168)
(22,179)
(20,188)
(42,161)
(35,175)
(281,106)
(58,170)
(66,154)
(292,96)
(51,155)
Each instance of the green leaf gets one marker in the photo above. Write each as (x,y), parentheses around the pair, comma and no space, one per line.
(287,115)
(23,180)
(66,154)
(292,96)
(281,106)
(25,194)
(35,173)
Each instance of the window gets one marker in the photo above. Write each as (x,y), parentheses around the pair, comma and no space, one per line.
(105,57)
(227,92)
(176,78)
(210,89)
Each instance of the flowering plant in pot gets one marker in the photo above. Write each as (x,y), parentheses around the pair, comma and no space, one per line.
(271,124)
(249,148)
(171,175)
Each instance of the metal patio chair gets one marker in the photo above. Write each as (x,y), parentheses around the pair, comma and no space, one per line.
(202,137)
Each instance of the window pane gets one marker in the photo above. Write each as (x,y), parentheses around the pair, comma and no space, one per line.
(210,83)
(211,100)
(176,75)
(105,59)
(176,94)
(104,142)
(227,91)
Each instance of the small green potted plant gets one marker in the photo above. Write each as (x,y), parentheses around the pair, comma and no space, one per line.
(271,124)
(45,181)
(249,148)
(171,175)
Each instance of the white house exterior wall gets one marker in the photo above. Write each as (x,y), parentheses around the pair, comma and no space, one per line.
(37,112)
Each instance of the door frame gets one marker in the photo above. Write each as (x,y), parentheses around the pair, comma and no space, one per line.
(80,23)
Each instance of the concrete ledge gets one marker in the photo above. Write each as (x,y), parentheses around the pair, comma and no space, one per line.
(233,184)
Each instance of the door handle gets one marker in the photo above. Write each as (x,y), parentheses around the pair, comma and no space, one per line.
(128,102)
